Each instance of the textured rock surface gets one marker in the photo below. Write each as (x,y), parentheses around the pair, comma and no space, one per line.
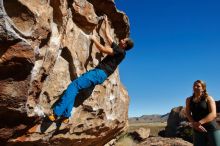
(176,116)
(140,134)
(160,141)
(44,44)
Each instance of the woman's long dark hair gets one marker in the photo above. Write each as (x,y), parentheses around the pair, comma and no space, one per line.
(205,93)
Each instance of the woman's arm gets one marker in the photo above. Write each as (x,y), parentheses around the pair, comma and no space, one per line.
(212,111)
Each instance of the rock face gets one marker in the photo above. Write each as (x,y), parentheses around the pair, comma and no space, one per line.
(160,141)
(43,46)
(176,117)
(178,125)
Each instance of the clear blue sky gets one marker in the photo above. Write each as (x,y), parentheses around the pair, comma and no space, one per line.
(176,43)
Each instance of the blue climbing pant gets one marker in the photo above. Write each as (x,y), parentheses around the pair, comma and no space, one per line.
(89,79)
(210,138)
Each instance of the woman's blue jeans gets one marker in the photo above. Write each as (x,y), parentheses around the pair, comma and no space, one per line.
(91,78)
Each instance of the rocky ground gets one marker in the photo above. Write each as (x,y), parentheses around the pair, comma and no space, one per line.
(147,134)
(161,141)
(153,141)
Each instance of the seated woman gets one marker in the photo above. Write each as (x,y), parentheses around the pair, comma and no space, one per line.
(201,113)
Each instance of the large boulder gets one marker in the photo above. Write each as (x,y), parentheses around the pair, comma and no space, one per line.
(218,111)
(176,117)
(140,134)
(43,46)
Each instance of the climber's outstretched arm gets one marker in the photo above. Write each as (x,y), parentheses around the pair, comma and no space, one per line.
(107,31)
(104,49)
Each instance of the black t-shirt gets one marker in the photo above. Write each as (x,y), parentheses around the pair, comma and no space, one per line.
(110,62)
(199,111)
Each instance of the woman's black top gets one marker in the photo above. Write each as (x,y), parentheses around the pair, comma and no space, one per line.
(199,111)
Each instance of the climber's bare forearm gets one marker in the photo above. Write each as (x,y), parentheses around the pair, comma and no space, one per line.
(107,31)
(103,49)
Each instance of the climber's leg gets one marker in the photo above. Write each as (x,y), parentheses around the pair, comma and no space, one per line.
(88,79)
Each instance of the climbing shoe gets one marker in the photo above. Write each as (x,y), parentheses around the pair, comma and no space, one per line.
(52,117)
(65,120)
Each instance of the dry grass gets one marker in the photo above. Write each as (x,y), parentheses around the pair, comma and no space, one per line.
(125,141)
(155,128)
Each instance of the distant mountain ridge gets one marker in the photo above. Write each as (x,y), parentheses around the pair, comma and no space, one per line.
(149,118)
